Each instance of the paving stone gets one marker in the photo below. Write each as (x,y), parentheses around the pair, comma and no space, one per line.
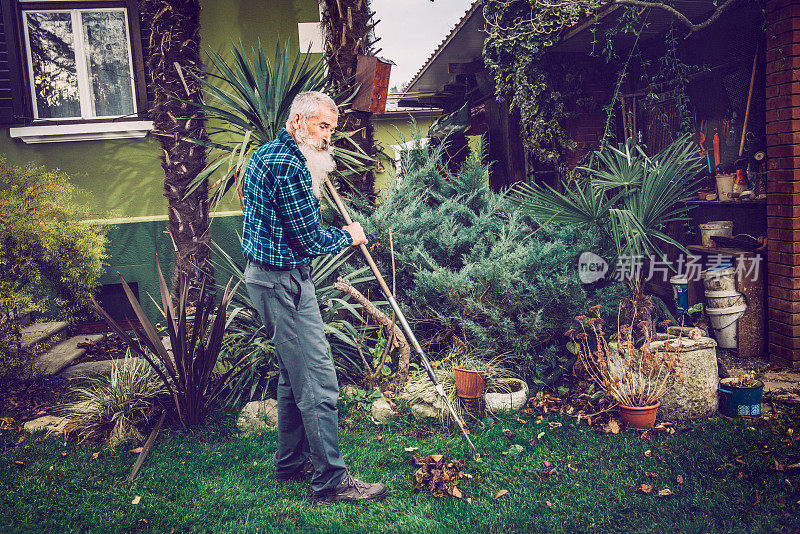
(50,423)
(81,370)
(38,332)
(774,381)
(62,355)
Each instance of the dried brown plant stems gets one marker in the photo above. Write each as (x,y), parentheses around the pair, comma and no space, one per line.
(633,376)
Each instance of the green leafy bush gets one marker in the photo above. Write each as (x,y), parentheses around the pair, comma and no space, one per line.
(475,271)
(43,250)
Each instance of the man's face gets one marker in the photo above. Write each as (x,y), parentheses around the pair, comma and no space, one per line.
(318,129)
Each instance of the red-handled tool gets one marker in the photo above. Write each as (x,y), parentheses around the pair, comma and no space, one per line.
(702,136)
(716,148)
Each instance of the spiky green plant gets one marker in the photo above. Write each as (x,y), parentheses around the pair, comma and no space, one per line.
(186,365)
(113,408)
(629,196)
(247,102)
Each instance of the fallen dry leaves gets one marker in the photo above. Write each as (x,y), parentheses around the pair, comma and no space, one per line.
(437,475)
(500,494)
(612,426)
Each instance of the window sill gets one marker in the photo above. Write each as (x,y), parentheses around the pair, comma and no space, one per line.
(61,133)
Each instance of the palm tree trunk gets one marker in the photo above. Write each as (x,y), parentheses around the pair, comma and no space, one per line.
(174,48)
(348,34)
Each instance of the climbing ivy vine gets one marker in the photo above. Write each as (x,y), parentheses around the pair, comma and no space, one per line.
(513,51)
(521,32)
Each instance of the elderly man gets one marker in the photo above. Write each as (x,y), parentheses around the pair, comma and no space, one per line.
(281,235)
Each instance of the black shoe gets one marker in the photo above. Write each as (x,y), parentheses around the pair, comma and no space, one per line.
(350,489)
(304,472)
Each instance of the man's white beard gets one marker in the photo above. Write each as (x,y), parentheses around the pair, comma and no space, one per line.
(319,162)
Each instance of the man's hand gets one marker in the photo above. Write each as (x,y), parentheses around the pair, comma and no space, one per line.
(357,233)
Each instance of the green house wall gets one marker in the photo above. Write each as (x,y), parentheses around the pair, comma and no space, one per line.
(395,130)
(123,178)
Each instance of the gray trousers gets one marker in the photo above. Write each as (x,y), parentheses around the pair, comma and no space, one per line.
(308,421)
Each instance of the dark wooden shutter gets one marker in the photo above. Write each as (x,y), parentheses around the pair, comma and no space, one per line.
(12,96)
(140,37)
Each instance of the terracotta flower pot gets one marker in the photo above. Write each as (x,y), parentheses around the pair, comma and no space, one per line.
(641,417)
(469,384)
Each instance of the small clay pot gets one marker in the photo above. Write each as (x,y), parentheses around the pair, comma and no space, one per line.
(469,384)
(640,417)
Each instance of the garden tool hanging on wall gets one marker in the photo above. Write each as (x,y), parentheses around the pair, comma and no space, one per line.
(404,323)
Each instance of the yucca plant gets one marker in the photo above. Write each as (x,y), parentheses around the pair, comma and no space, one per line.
(186,366)
(114,407)
(631,197)
(246,335)
(247,102)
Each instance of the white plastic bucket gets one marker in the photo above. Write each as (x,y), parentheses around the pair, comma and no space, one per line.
(723,321)
(725,186)
(680,291)
(719,279)
(724,299)
(721,228)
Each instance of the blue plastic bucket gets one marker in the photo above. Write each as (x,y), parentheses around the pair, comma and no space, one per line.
(680,290)
(736,401)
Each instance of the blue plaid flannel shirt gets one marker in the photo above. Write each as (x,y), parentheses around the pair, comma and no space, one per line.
(281,213)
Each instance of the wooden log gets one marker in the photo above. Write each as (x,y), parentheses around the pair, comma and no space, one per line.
(393,327)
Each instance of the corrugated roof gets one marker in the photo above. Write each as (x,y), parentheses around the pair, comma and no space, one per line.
(475,5)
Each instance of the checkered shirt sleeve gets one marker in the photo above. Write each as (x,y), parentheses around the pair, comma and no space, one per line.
(281,215)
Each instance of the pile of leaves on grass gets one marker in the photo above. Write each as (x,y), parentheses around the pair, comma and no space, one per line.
(438,476)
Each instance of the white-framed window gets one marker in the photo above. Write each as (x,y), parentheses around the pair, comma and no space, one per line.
(414,144)
(79,62)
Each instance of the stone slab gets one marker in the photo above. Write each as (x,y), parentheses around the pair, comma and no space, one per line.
(62,355)
(775,381)
(85,369)
(38,332)
(49,423)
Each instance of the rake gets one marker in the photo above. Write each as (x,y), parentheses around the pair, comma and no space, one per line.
(406,328)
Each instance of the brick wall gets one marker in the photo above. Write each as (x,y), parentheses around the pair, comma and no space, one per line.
(783,179)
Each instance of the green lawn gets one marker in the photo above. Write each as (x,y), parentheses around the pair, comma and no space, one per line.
(214,481)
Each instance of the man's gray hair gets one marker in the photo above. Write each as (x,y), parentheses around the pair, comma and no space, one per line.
(307,105)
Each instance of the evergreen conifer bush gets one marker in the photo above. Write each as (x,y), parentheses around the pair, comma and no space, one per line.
(476,272)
